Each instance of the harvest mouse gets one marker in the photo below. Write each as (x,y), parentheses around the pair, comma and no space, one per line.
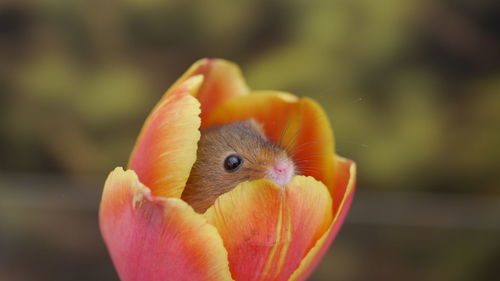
(230,154)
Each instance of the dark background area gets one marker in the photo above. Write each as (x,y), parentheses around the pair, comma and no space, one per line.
(412,89)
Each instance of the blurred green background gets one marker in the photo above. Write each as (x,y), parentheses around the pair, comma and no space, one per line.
(412,89)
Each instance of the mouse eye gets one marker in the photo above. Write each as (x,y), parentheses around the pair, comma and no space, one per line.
(233,163)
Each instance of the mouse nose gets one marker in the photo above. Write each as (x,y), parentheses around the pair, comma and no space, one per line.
(282,171)
(281,167)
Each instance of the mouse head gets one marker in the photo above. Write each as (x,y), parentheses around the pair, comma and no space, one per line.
(238,152)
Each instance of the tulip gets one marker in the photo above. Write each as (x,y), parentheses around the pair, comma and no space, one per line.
(257,231)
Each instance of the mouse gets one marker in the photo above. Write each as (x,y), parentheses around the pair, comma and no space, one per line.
(230,154)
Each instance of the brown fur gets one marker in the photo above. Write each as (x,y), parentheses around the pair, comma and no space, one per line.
(208,179)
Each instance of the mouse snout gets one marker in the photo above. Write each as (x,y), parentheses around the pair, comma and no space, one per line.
(281,172)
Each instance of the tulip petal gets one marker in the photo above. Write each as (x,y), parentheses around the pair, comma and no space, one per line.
(272,109)
(268,229)
(344,191)
(222,81)
(314,143)
(299,125)
(153,238)
(166,148)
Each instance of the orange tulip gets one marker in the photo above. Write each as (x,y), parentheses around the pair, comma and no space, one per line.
(257,231)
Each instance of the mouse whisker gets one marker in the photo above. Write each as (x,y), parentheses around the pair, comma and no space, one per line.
(302,171)
(303,146)
(282,133)
(292,141)
(308,156)
(302,161)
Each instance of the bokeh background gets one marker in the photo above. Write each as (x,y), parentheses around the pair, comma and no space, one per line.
(412,89)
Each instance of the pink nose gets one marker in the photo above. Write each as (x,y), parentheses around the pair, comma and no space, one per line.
(281,172)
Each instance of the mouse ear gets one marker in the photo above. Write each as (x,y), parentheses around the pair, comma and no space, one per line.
(256,126)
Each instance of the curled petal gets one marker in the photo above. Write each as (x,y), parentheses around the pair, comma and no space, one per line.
(152,238)
(222,81)
(314,143)
(299,125)
(166,148)
(268,229)
(342,196)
